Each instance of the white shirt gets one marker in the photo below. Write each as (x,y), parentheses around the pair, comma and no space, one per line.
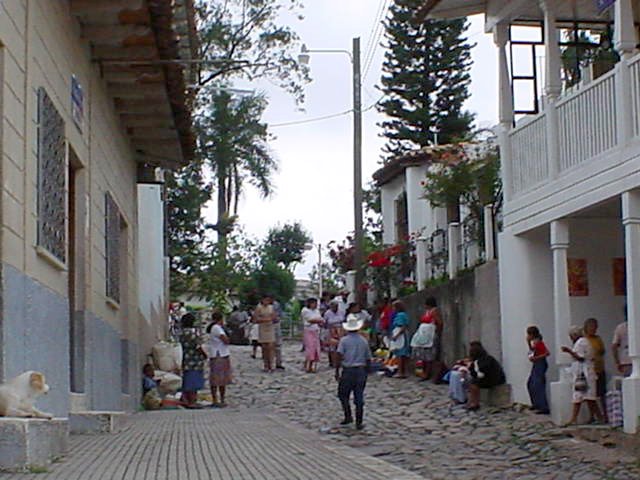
(307,315)
(217,348)
(333,319)
(621,339)
(342,305)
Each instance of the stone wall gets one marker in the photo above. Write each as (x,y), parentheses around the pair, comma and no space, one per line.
(470,308)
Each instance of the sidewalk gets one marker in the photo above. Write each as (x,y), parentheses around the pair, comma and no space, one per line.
(214,444)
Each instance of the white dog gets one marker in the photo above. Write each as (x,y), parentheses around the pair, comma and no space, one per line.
(18,395)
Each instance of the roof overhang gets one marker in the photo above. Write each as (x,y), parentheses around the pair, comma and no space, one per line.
(145,50)
(396,166)
(516,11)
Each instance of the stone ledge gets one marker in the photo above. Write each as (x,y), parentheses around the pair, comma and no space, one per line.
(499,396)
(31,442)
(96,422)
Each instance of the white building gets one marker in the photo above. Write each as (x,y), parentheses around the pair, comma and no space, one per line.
(442,247)
(571,174)
(92,98)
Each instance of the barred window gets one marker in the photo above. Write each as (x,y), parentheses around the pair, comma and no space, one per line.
(113,232)
(51,178)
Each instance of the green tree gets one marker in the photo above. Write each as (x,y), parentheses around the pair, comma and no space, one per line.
(425,81)
(232,142)
(268,278)
(244,39)
(187,192)
(285,245)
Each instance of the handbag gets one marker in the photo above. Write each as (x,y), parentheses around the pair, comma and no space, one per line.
(580,384)
(398,343)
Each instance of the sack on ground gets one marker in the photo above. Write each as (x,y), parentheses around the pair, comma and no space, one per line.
(167,356)
(169,382)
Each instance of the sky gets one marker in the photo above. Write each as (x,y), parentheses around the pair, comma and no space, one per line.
(314,184)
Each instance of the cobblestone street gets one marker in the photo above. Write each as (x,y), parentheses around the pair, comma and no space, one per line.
(284,426)
(414,426)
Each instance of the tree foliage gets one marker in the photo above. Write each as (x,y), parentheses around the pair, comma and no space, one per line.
(425,81)
(271,279)
(233,144)
(187,192)
(285,245)
(243,39)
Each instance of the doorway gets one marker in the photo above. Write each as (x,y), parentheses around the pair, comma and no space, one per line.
(76,235)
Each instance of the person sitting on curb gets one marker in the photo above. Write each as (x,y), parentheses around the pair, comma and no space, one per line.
(485,372)
(354,357)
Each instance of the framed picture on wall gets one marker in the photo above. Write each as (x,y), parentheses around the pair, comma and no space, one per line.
(619,276)
(578,277)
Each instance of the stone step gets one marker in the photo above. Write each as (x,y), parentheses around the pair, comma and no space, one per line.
(499,396)
(29,442)
(96,421)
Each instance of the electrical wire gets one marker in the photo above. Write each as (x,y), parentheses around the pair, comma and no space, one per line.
(374,27)
(376,40)
(324,117)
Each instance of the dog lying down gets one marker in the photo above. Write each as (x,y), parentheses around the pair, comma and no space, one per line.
(18,395)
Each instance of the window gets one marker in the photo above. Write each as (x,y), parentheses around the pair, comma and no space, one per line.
(51,178)
(113,240)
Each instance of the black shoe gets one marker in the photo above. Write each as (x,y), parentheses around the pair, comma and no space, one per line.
(359,426)
(346,421)
(542,412)
(279,367)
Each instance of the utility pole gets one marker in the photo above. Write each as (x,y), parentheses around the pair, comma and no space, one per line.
(320,285)
(358,241)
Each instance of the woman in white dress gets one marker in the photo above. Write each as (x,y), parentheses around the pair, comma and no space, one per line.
(584,375)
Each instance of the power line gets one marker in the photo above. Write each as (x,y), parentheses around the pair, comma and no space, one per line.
(324,117)
(376,40)
(374,28)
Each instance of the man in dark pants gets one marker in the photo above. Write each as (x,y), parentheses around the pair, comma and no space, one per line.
(353,357)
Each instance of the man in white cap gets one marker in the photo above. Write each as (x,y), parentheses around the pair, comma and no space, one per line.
(354,357)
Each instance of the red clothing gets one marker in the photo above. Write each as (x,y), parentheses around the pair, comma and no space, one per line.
(428,317)
(538,348)
(385,318)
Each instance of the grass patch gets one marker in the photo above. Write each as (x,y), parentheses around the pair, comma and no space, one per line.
(37,469)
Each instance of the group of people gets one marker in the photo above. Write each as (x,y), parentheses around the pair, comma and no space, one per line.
(589,379)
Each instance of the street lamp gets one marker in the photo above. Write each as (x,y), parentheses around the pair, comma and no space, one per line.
(358,247)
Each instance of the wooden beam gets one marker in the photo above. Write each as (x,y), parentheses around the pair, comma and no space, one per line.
(142,106)
(150,133)
(132,76)
(136,90)
(106,53)
(98,7)
(113,34)
(136,120)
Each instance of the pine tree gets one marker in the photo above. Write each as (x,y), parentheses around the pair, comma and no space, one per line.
(425,80)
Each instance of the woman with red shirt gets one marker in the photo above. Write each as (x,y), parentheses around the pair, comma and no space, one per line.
(537,383)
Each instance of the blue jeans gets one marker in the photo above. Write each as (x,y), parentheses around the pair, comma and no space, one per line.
(353,379)
(537,385)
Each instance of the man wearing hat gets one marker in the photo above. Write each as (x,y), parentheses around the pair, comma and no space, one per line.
(353,357)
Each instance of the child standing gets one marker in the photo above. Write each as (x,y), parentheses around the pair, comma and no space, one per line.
(537,383)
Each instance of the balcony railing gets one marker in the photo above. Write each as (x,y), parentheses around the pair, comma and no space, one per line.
(587,126)
(529,154)
(587,122)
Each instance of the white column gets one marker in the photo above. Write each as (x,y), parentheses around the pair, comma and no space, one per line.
(631,385)
(350,285)
(421,262)
(625,43)
(561,391)
(489,233)
(417,205)
(500,38)
(552,85)
(454,254)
